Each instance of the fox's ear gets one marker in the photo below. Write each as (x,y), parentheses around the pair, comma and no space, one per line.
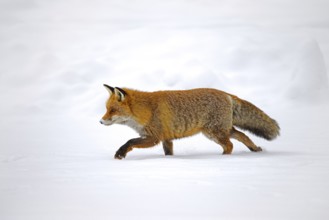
(120,93)
(109,89)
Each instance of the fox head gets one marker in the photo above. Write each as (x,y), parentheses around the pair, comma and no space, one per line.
(117,108)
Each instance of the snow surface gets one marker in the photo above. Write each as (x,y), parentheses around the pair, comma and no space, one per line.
(56,160)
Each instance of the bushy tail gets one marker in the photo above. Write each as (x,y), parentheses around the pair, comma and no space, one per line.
(248,117)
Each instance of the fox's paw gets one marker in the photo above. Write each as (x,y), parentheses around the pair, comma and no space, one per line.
(120,154)
(118,157)
(258,149)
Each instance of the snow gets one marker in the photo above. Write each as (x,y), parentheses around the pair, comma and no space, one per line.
(56,160)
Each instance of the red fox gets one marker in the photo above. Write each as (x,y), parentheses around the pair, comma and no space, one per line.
(163,116)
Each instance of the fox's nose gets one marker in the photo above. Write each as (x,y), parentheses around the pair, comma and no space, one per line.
(101,121)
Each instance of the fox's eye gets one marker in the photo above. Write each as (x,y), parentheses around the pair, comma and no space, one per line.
(113,110)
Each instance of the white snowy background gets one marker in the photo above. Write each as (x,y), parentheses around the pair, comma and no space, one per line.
(56,160)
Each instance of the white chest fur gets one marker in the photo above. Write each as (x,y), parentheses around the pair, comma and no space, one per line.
(137,127)
(131,123)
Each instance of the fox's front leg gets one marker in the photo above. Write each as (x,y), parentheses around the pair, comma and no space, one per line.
(142,142)
(168,147)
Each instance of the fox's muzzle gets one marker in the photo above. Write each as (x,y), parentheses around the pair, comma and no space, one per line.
(105,122)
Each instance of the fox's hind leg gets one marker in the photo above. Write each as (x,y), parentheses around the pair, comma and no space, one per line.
(222,138)
(226,144)
(238,135)
(168,147)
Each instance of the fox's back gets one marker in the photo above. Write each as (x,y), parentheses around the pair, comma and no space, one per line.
(186,112)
